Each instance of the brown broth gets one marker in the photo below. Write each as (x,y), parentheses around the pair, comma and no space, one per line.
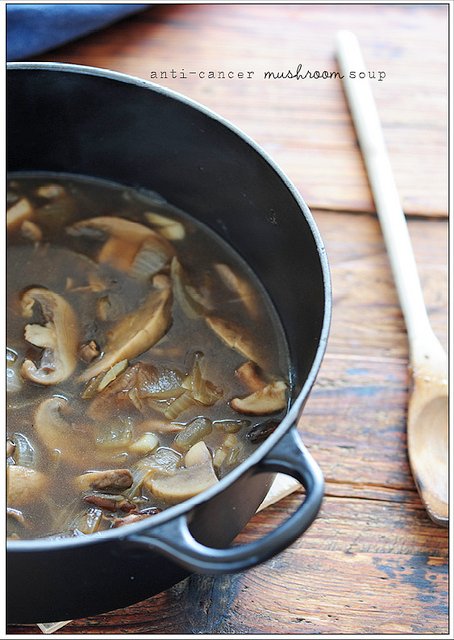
(102,426)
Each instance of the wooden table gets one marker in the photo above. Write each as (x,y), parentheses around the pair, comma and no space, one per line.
(372,562)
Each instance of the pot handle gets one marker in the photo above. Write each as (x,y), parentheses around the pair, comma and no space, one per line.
(174,539)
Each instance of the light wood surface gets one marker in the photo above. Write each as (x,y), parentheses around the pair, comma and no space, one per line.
(427,414)
(372,562)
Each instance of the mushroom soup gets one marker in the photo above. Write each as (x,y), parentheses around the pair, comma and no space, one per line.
(144,359)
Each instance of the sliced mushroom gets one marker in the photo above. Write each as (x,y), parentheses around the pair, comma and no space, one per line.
(234,336)
(51,191)
(108,480)
(250,375)
(24,485)
(240,287)
(168,227)
(188,297)
(31,231)
(131,246)
(58,337)
(17,214)
(57,211)
(184,483)
(268,400)
(135,333)
(197,454)
(57,432)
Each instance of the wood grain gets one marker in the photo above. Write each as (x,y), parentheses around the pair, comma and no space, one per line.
(372,562)
(372,548)
(367,318)
(303,124)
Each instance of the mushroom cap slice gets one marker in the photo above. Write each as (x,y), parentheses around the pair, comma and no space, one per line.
(197,454)
(116,227)
(240,287)
(21,211)
(135,333)
(251,376)
(234,336)
(31,231)
(24,485)
(272,398)
(130,246)
(107,480)
(184,483)
(57,433)
(58,337)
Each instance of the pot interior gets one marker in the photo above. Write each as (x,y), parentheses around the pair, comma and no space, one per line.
(77,120)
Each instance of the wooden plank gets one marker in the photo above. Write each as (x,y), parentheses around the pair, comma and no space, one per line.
(387,574)
(303,124)
(367,319)
(372,562)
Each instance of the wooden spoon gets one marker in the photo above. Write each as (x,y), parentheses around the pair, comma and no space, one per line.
(427,422)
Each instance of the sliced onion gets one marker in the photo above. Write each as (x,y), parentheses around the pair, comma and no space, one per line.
(201,390)
(178,406)
(163,386)
(231,426)
(193,432)
(164,459)
(190,306)
(88,521)
(116,437)
(149,260)
(14,380)
(112,374)
(24,453)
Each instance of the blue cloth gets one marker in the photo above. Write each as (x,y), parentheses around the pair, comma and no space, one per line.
(32,29)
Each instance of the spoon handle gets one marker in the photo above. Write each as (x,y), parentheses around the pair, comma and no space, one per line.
(392,219)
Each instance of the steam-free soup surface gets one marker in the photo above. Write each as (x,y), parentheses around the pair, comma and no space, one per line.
(144,359)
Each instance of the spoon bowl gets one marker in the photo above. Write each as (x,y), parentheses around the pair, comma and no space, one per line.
(427,431)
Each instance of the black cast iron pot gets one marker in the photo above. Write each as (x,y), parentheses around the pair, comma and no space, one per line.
(67,118)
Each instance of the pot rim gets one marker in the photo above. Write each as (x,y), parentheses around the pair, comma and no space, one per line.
(295,410)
